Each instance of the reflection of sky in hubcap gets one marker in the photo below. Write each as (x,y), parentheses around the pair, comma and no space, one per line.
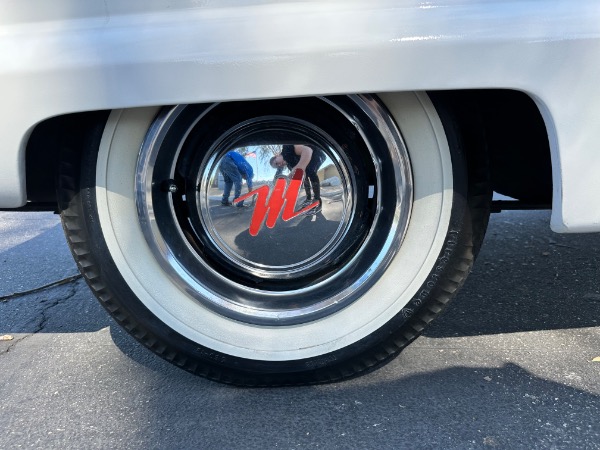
(294,242)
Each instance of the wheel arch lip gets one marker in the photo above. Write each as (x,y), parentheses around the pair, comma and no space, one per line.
(568,216)
(61,126)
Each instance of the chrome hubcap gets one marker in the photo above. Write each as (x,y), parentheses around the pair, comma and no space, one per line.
(274,257)
(277,248)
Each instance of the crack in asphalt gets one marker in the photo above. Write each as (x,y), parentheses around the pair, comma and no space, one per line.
(52,304)
(6,298)
(47,305)
(13,343)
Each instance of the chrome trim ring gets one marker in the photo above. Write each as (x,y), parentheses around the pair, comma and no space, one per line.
(202,249)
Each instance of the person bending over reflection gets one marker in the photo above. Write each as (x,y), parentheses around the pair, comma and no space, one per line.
(308,159)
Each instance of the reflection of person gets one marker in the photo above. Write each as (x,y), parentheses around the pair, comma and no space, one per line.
(309,160)
(234,167)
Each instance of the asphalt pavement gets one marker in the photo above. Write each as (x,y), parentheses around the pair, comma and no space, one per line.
(513,363)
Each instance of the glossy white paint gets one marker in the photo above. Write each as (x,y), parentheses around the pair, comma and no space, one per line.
(66,56)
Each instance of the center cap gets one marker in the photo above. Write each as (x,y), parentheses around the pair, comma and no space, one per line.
(275,220)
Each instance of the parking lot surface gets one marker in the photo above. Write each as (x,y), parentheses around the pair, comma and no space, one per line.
(513,363)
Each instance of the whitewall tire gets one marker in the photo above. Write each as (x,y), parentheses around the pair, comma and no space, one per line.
(188,284)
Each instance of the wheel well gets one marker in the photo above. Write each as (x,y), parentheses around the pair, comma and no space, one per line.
(515,139)
(42,155)
(518,146)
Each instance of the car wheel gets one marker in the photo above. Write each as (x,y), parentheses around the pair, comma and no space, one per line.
(272,294)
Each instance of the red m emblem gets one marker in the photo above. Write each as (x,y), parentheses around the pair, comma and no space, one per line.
(271,206)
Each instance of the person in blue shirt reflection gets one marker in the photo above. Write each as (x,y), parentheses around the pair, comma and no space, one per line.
(234,168)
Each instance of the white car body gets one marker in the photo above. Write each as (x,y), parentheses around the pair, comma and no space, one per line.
(66,56)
